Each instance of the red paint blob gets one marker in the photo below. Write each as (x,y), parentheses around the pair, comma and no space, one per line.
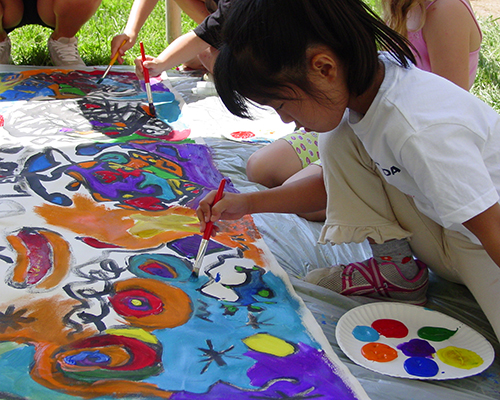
(146,203)
(390,328)
(97,243)
(242,134)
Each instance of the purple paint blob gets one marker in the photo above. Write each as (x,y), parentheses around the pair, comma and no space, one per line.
(309,374)
(421,366)
(417,348)
(365,333)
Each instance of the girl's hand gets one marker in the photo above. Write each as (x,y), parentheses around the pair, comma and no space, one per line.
(154,65)
(231,206)
(117,41)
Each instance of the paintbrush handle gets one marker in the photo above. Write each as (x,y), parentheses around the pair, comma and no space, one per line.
(113,60)
(115,57)
(145,71)
(210,225)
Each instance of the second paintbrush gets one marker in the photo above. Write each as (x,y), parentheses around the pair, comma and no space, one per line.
(147,83)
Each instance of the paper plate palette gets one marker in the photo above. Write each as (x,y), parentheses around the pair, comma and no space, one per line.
(412,342)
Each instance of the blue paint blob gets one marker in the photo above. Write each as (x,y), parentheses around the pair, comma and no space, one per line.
(421,366)
(365,333)
(88,358)
(417,348)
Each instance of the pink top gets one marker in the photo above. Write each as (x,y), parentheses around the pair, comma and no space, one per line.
(423,61)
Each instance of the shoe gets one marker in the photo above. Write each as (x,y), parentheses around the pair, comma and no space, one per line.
(208,77)
(383,281)
(5,52)
(64,52)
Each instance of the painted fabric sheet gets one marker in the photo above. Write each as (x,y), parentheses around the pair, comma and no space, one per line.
(98,238)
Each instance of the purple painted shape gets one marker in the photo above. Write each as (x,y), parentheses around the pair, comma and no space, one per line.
(188,246)
(306,374)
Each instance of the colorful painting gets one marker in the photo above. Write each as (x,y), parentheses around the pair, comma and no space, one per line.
(97,242)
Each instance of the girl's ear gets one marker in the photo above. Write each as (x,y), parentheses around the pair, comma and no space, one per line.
(323,65)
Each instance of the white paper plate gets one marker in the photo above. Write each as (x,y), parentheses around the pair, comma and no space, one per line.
(414,318)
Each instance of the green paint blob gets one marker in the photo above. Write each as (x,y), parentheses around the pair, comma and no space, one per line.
(435,334)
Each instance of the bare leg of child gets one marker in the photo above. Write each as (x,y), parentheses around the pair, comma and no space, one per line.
(66,17)
(11,14)
(278,163)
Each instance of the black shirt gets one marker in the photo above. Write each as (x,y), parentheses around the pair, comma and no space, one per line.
(211,27)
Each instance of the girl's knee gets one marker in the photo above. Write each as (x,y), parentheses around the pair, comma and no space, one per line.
(257,169)
(273,164)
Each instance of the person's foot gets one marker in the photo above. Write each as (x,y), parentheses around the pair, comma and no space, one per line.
(383,281)
(64,52)
(5,52)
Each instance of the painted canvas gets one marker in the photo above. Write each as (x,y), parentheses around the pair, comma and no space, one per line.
(98,235)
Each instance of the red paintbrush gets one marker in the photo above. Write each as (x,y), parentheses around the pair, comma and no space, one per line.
(206,235)
(147,83)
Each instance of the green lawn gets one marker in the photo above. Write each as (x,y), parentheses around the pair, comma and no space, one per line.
(29,43)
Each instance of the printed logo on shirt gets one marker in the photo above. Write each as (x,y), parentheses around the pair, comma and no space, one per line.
(388,172)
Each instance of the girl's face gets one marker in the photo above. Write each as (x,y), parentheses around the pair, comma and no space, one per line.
(323,110)
(309,113)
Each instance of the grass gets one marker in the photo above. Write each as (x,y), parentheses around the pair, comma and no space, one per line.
(29,43)
(487,83)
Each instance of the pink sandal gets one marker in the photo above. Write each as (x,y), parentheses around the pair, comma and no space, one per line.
(368,278)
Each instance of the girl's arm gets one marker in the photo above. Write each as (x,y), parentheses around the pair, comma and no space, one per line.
(486,227)
(182,49)
(141,9)
(301,196)
(451,34)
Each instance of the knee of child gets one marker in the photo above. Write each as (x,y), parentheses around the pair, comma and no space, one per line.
(257,169)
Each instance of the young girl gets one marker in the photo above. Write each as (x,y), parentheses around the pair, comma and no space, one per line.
(446,38)
(406,154)
(445,34)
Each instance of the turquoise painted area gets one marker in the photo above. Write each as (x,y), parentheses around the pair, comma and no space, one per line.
(281,316)
(15,379)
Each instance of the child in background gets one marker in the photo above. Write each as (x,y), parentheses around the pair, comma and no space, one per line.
(445,34)
(196,49)
(447,37)
(64,17)
(197,10)
(406,154)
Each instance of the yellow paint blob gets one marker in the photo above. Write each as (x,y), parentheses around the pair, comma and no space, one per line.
(147,226)
(136,302)
(265,343)
(459,358)
(135,333)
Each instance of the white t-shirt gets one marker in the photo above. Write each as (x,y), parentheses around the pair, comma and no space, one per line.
(435,142)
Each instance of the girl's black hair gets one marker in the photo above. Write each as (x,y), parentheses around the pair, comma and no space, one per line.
(265,42)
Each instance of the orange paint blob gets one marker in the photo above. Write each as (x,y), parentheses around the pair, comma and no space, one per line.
(378,352)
